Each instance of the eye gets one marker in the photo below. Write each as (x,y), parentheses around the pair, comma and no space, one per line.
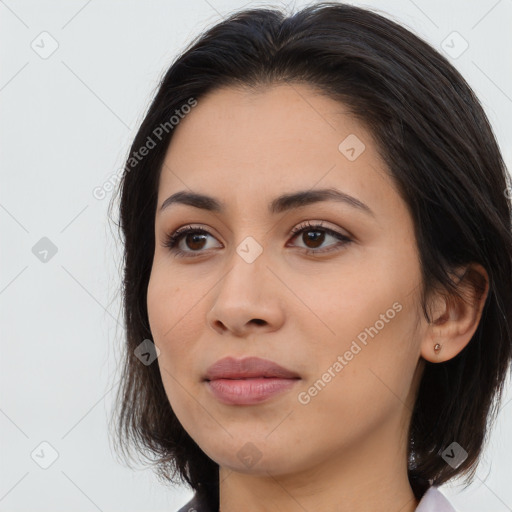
(196,239)
(314,235)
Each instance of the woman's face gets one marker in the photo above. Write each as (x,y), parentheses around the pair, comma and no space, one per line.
(344,318)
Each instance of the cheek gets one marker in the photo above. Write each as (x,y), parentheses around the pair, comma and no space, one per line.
(177,309)
(170,303)
(175,320)
(358,386)
(341,308)
(368,320)
(174,324)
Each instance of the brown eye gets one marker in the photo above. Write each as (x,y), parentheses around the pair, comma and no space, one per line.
(195,241)
(191,239)
(313,237)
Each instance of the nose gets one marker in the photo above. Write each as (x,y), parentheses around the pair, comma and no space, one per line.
(248,299)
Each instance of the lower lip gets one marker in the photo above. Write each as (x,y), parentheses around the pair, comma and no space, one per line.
(248,391)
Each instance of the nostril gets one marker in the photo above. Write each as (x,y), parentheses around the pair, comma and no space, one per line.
(259,321)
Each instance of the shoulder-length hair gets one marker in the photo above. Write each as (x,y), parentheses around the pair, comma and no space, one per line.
(442,155)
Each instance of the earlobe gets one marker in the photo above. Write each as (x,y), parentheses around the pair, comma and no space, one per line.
(455,319)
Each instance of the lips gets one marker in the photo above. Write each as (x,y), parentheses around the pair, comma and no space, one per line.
(247,368)
(249,381)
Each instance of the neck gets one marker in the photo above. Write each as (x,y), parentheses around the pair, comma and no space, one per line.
(357,478)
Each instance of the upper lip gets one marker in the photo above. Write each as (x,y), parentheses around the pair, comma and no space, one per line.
(247,367)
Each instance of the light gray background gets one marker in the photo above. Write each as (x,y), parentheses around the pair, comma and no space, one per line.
(66,124)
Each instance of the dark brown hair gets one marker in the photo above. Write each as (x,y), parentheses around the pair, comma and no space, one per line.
(444,160)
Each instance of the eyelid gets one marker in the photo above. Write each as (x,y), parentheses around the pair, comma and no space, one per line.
(320,224)
(308,222)
(183,230)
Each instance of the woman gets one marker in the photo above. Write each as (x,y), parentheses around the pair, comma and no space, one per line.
(318,265)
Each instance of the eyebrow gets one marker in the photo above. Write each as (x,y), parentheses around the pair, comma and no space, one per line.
(278,205)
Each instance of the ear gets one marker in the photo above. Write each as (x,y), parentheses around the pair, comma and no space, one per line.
(455,320)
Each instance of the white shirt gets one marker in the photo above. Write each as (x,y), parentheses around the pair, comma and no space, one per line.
(434,501)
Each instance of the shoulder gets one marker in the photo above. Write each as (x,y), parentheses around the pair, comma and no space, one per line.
(196,504)
(435,501)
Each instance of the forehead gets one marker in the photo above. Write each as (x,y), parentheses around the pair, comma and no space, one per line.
(250,143)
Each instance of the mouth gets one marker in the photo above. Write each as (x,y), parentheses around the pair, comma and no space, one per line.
(248,391)
(248,381)
(247,368)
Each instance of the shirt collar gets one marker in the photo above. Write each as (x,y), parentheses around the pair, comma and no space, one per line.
(434,501)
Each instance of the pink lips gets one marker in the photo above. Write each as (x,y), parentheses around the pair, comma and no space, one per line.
(247,381)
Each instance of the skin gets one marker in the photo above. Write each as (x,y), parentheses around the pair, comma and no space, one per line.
(345,450)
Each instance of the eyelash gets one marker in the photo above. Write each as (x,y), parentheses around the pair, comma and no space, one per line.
(172,240)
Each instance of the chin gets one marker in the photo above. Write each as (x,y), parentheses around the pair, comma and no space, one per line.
(255,458)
